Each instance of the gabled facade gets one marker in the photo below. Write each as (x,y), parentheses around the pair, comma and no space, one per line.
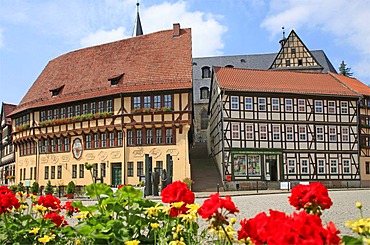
(270,126)
(124,107)
(7,157)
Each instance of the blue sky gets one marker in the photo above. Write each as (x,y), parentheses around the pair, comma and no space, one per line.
(34,32)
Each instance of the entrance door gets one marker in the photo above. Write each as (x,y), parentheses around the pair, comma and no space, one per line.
(116,174)
(273,169)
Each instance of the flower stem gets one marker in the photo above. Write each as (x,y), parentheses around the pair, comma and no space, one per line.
(7,227)
(227,235)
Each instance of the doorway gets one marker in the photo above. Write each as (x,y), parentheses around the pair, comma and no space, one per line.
(116,174)
(271,161)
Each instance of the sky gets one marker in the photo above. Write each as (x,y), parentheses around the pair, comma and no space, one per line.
(33,32)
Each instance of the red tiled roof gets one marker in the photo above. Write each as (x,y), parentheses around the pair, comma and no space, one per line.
(153,62)
(6,110)
(353,83)
(280,82)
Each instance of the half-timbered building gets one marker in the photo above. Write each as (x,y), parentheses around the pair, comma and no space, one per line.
(275,125)
(124,107)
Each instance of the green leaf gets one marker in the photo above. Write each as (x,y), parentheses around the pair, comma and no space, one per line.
(98,189)
(350,240)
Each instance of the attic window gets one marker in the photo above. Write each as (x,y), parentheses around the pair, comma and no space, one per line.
(230,66)
(300,62)
(55,92)
(115,80)
(242,60)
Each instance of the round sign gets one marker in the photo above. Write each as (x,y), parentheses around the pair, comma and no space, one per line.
(77,148)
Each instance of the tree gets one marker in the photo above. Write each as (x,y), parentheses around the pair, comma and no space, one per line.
(49,188)
(344,70)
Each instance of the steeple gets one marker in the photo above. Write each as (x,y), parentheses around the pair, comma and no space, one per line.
(138,30)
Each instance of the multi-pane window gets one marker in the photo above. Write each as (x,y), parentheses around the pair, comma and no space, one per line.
(331,107)
(301,105)
(59,142)
(52,173)
(275,104)
(333,166)
(52,145)
(119,138)
(345,134)
(157,101)
(103,137)
(84,109)
(169,136)
(149,136)
(46,149)
(248,101)
(130,169)
(96,141)
(235,102)
(304,166)
(137,102)
(146,102)
(235,131)
(88,141)
(82,170)
(103,169)
(93,107)
(139,137)
(130,137)
(140,168)
(321,166)
(111,139)
(101,106)
(159,166)
(204,93)
(318,106)
(63,113)
(46,172)
(20,173)
(346,167)
(288,105)
(289,132)
(263,132)
(249,131)
(291,166)
(31,173)
(320,133)
(302,133)
(262,104)
(158,135)
(77,110)
(50,115)
(109,106)
(42,116)
(344,107)
(74,171)
(276,132)
(367,167)
(69,111)
(332,134)
(206,72)
(56,114)
(95,170)
(168,101)
(59,173)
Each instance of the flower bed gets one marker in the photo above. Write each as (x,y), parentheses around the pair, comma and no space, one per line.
(125,217)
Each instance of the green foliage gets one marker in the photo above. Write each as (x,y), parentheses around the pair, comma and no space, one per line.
(344,70)
(71,188)
(35,187)
(13,188)
(21,187)
(49,188)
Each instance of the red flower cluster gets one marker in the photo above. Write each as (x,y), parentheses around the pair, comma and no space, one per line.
(57,219)
(69,208)
(279,228)
(178,191)
(49,201)
(312,197)
(7,200)
(219,208)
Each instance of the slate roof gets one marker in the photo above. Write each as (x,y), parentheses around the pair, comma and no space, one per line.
(152,62)
(6,110)
(280,81)
(353,83)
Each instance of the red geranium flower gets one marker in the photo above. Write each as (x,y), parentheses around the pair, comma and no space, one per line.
(57,219)
(49,201)
(178,191)
(7,200)
(70,209)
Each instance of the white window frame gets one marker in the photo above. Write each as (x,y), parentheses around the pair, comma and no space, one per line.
(333,166)
(302,135)
(320,133)
(262,104)
(301,105)
(234,100)
(248,105)
(275,104)
(235,131)
(304,166)
(275,132)
(318,106)
(332,133)
(345,134)
(344,107)
(289,132)
(249,132)
(346,166)
(289,105)
(291,166)
(331,107)
(263,131)
(321,166)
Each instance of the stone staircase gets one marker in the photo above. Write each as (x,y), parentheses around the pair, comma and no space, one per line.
(204,172)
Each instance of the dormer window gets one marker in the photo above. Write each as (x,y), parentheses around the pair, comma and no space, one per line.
(55,92)
(242,60)
(230,66)
(206,72)
(115,80)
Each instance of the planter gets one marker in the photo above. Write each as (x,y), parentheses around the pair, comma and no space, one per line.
(70,195)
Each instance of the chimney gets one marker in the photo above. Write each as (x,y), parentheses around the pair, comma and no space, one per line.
(176,30)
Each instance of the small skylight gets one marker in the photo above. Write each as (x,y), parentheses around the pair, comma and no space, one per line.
(115,80)
(55,92)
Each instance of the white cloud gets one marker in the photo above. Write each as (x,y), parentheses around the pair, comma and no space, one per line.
(102,36)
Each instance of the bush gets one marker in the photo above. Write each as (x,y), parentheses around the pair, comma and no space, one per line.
(71,188)
(48,188)
(35,187)
(21,187)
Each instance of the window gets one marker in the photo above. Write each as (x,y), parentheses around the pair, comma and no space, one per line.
(275,104)
(346,167)
(159,166)
(52,174)
(130,137)
(74,171)
(63,113)
(300,62)
(146,102)
(70,111)
(333,166)
(276,132)
(119,138)
(42,116)
(103,137)
(262,104)
(101,106)
(345,134)
(46,149)
(344,107)
(302,133)
(301,105)
(50,115)
(204,93)
(168,101)
(139,137)
(95,170)
(263,132)
(46,173)
(291,166)
(93,108)
(103,169)
(111,139)
(56,114)
(140,168)
(158,135)
(157,101)
(20,173)
(109,106)
(331,107)
(288,105)
(367,167)
(82,171)
(206,72)
(59,173)
(287,62)
(320,133)
(130,169)
(235,102)
(289,132)
(96,141)
(169,139)
(318,106)
(304,166)
(149,136)
(235,131)
(31,173)
(332,134)
(248,103)
(84,109)
(293,50)
(321,167)
(59,142)
(88,141)
(77,110)
(249,131)
(204,119)
(52,145)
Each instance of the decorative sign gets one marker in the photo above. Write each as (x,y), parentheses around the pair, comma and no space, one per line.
(44,160)
(90,156)
(155,152)
(139,152)
(115,154)
(77,148)
(65,158)
(102,155)
(54,159)
(173,152)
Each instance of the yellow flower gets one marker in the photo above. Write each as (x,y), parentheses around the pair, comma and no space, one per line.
(177,205)
(134,242)
(39,208)
(233,220)
(359,205)
(154,225)
(193,208)
(24,207)
(188,218)
(34,231)
(77,242)
(83,215)
(178,242)
(45,239)
(153,211)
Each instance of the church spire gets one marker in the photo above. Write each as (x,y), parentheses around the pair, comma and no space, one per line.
(138,30)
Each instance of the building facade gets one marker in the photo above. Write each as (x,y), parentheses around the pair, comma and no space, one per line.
(124,107)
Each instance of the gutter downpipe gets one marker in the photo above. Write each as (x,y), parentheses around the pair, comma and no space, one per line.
(222,138)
